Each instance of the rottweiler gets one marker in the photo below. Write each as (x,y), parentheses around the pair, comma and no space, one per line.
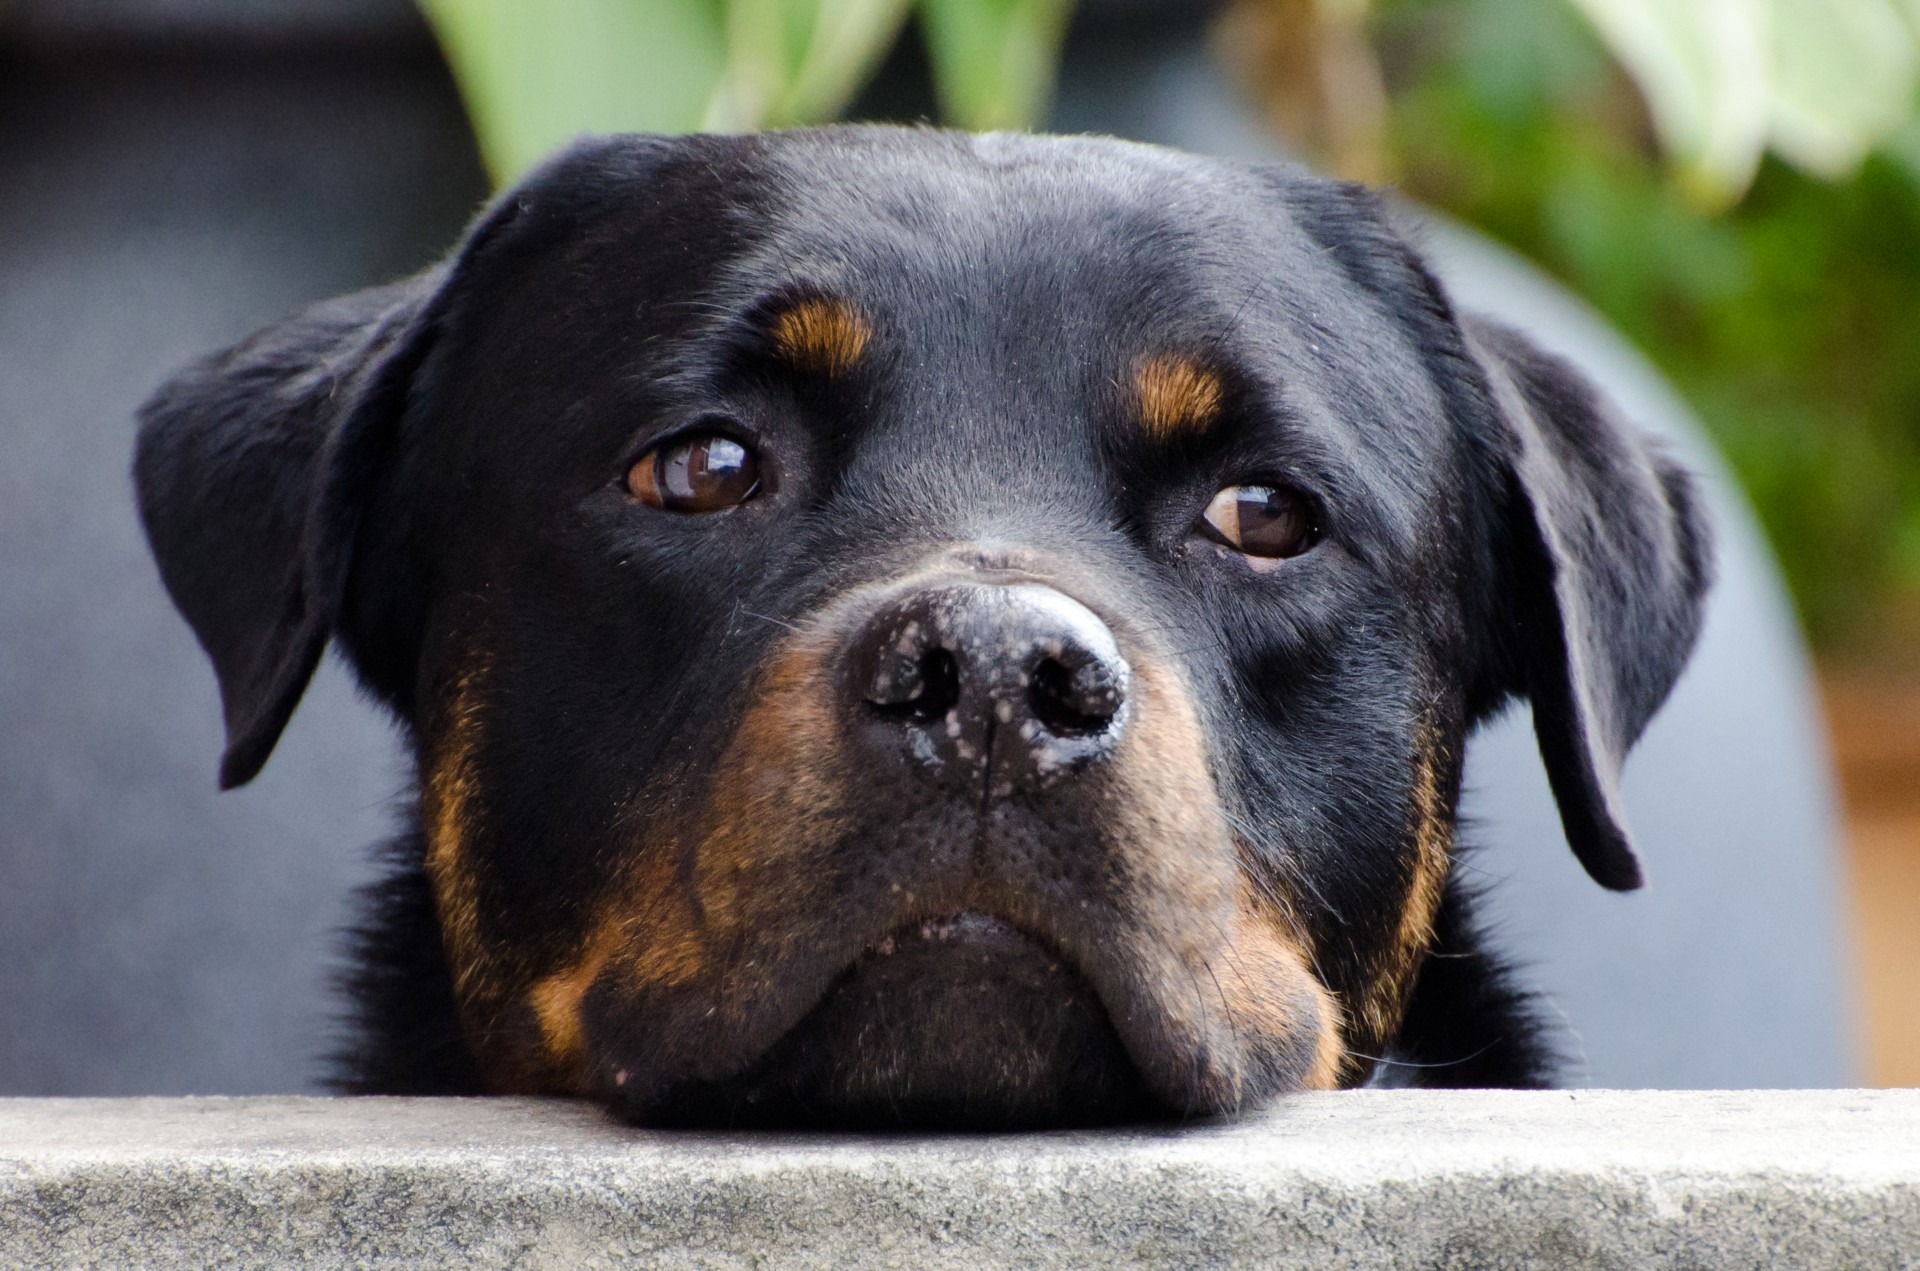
(905,628)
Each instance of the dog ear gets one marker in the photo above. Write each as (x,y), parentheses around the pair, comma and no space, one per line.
(255,468)
(251,470)
(1607,560)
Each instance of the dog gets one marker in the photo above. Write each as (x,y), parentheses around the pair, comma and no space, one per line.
(905,628)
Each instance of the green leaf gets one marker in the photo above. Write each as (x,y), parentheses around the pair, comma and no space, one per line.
(799,61)
(1702,66)
(535,75)
(1843,79)
(993,60)
(1820,82)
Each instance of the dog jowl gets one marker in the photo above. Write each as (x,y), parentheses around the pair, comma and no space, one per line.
(905,628)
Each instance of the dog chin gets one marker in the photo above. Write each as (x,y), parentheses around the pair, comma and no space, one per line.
(958,1022)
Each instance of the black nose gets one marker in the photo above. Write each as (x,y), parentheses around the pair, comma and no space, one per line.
(991,686)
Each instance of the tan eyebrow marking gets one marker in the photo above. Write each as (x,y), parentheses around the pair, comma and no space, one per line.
(1176,392)
(820,334)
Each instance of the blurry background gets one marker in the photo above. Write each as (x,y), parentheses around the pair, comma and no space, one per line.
(1734,185)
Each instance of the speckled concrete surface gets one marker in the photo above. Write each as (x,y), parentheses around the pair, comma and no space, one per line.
(1373,1179)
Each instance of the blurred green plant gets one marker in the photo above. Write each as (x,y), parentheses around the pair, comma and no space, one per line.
(1819,82)
(534,75)
(1790,320)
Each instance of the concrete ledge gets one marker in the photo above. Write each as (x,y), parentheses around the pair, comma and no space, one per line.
(1368,1179)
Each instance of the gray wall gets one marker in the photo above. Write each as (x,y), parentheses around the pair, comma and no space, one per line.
(156,936)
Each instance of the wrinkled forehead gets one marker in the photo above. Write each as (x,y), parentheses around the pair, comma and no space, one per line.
(1078,226)
(1049,284)
(1072,264)
(1071,244)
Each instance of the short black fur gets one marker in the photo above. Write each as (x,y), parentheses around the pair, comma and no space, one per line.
(402,1031)
(1470,1023)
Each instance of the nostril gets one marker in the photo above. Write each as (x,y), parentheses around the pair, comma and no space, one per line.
(1074,703)
(923,688)
(979,658)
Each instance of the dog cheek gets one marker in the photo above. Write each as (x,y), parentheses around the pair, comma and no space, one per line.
(653,941)
(504,1026)
(452,814)
(1293,1022)
(1383,1000)
(683,946)
(1260,1022)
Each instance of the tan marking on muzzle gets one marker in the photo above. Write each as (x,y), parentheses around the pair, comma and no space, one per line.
(1176,394)
(773,801)
(1272,954)
(1235,944)
(820,334)
(652,937)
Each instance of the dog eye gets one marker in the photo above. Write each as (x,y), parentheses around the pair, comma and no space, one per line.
(1270,521)
(702,473)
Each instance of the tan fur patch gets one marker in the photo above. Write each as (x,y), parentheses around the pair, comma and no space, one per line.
(556,1004)
(485,975)
(1270,959)
(773,798)
(821,335)
(1385,999)
(447,797)
(1176,394)
(653,938)
(1432,841)
(777,793)
(1250,965)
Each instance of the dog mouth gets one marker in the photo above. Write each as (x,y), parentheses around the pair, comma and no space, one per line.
(960,1021)
(967,929)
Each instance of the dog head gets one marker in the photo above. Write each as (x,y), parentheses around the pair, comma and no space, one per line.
(897,625)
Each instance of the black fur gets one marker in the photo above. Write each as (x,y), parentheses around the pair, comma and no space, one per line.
(433,476)
(1469,1024)
(403,1034)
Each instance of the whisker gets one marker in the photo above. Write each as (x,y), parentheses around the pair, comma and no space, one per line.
(778,622)
(1411,1063)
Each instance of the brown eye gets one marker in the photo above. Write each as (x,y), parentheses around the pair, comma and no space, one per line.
(702,473)
(1266,521)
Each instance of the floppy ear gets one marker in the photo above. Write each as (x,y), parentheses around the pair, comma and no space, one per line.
(1608,558)
(255,468)
(252,469)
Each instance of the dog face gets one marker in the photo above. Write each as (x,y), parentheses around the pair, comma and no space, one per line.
(898,626)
